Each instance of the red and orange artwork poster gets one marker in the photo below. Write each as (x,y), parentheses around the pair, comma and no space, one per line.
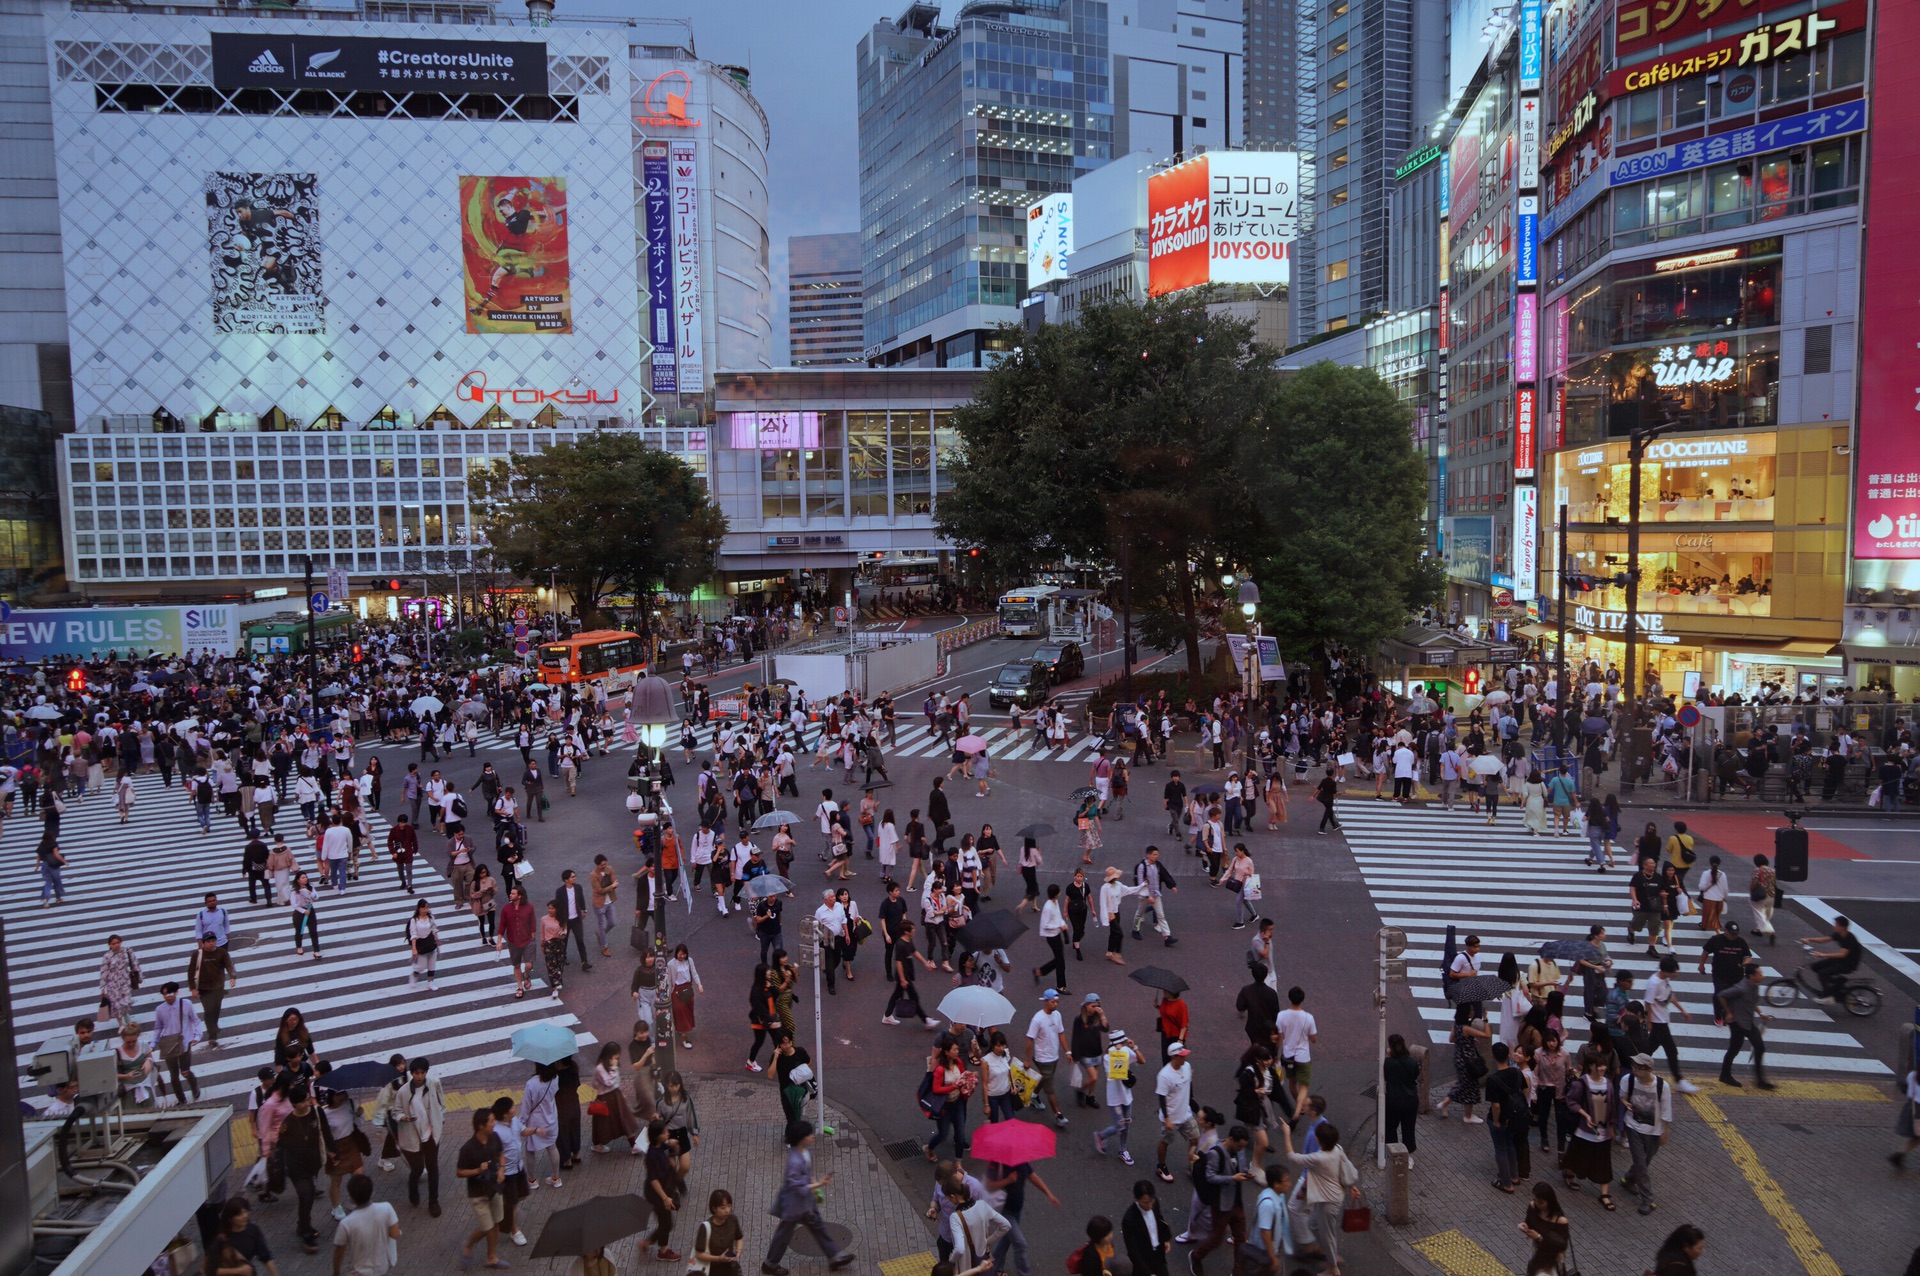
(513,254)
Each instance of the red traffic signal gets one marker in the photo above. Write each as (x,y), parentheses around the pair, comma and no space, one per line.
(76,680)
(1473,681)
(358,655)
(973,553)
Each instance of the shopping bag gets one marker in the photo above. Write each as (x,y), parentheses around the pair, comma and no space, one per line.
(1345,759)
(1251,891)
(1023,1082)
(1356,1218)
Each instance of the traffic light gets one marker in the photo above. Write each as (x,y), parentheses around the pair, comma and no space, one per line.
(358,655)
(1473,681)
(973,553)
(76,680)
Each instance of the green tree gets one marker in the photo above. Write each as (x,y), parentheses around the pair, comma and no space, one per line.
(606,512)
(1343,494)
(1120,438)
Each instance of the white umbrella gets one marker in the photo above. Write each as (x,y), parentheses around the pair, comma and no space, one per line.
(427,704)
(333,689)
(186,724)
(1403,737)
(977,1007)
(1486,764)
(1497,697)
(139,687)
(45,712)
(402,661)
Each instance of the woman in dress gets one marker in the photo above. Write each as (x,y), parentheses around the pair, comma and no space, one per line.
(646,986)
(640,1060)
(782,977)
(1468,1067)
(540,1118)
(423,942)
(553,946)
(481,893)
(133,1063)
(683,983)
(1276,798)
(991,857)
(1596,1114)
(123,796)
(783,850)
(683,1122)
(1087,820)
(280,866)
(612,1116)
(1534,795)
(1079,897)
(887,845)
(119,974)
(1546,1226)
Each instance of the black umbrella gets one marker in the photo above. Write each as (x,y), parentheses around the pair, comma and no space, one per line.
(1569,950)
(1042,829)
(1477,988)
(365,1075)
(997,929)
(591,1225)
(871,785)
(1164,980)
(1082,793)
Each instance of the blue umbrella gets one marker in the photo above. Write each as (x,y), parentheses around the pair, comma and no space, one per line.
(365,1075)
(546,1042)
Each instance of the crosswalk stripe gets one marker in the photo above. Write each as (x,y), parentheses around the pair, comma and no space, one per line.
(1426,868)
(144,880)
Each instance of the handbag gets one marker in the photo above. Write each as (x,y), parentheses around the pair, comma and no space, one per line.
(1477,1066)
(599,1108)
(171,1046)
(1356,1218)
(942,832)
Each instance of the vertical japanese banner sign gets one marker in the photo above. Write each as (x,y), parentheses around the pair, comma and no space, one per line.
(658,196)
(1179,241)
(1526,252)
(1886,512)
(1526,541)
(513,254)
(1526,337)
(1526,430)
(1532,52)
(690,359)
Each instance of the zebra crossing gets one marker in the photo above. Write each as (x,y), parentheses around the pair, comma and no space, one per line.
(914,740)
(144,881)
(1426,868)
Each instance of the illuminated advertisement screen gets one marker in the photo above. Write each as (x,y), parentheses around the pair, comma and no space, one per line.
(774,431)
(263,230)
(1177,228)
(513,254)
(1049,239)
(1254,206)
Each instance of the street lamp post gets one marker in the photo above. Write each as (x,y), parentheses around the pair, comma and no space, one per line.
(1636,452)
(1250,609)
(650,703)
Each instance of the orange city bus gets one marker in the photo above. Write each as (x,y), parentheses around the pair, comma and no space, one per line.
(612,657)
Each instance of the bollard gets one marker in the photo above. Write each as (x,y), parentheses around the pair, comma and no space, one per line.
(1424,1055)
(1398,1162)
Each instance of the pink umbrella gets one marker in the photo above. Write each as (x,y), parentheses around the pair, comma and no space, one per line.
(970,744)
(1013,1142)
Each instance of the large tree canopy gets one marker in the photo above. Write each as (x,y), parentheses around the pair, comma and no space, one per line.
(605,511)
(1162,440)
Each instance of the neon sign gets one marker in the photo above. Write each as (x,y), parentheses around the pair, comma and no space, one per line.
(661,107)
(1704,364)
(472,388)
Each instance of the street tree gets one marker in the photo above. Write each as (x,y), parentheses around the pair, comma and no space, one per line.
(1343,494)
(604,512)
(1121,439)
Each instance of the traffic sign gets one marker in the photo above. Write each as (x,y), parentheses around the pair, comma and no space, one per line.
(839,615)
(1395,940)
(337,584)
(1689,716)
(519,613)
(520,649)
(319,602)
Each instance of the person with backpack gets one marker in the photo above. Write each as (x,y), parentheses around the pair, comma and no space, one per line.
(1217,1176)
(1646,1114)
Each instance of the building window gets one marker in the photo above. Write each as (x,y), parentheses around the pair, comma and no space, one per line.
(1817,355)
(912,464)
(867,461)
(1338,83)
(1336,270)
(1340,45)
(780,483)
(826,484)
(1338,198)
(1339,159)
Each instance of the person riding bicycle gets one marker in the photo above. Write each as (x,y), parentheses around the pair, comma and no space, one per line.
(1832,968)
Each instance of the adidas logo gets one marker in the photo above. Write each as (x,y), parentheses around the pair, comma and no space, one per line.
(265,64)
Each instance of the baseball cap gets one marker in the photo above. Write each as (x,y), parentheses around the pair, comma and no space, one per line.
(1051,994)
(1090,999)
(1178,1048)
(1642,1061)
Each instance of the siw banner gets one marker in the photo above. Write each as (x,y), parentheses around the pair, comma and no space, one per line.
(87,633)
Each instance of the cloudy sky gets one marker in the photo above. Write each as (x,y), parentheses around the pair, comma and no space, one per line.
(801,53)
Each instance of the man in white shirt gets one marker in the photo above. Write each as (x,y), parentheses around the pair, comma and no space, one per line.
(835,939)
(336,844)
(1404,764)
(1661,1005)
(1298,1032)
(824,813)
(366,1242)
(1046,1042)
(1174,1090)
(1646,1114)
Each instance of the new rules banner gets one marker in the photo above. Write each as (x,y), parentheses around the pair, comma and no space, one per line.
(88,633)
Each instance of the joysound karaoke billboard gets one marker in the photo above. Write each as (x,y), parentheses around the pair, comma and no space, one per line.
(1224,217)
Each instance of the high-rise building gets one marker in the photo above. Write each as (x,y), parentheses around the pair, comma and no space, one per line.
(34,371)
(961,127)
(1270,82)
(825,305)
(1382,78)
(1178,76)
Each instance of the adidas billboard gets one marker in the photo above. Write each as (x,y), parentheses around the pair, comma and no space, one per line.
(357,64)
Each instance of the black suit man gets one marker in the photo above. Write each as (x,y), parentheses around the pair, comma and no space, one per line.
(1144,1230)
(571,903)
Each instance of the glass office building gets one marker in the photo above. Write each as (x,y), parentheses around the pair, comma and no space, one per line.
(961,128)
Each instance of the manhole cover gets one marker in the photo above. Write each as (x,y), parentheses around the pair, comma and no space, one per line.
(744,1092)
(905,1149)
(804,1243)
(243,938)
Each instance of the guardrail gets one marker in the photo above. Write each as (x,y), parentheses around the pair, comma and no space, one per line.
(952,640)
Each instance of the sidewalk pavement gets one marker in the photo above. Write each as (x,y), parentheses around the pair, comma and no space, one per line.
(1788,1182)
(741,1149)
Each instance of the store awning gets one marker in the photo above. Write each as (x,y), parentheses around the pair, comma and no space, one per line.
(1536,630)
(1785,646)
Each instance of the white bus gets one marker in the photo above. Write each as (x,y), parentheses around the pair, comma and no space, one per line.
(1023,612)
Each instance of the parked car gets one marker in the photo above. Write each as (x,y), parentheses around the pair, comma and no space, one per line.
(1021,682)
(1063,660)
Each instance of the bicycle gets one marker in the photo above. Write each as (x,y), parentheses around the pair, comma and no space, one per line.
(1860,997)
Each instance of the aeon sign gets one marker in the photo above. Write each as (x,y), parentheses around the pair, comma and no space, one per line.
(473,389)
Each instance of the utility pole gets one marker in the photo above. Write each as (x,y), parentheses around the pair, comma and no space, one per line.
(1126,613)
(313,642)
(1560,673)
(1636,451)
